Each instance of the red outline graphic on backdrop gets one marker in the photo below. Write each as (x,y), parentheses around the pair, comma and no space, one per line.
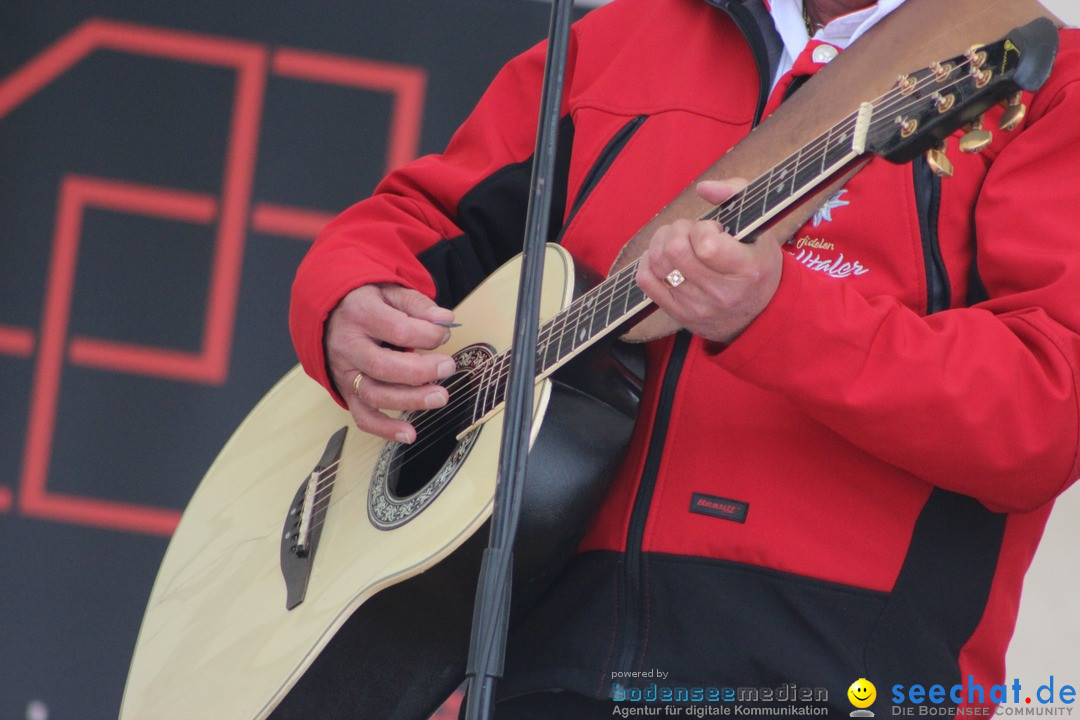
(407,85)
(77,193)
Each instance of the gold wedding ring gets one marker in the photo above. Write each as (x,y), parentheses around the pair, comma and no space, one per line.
(674,279)
(356,383)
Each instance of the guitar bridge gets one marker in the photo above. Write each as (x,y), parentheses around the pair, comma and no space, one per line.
(304,520)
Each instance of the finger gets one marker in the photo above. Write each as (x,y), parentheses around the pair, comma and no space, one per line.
(391,396)
(667,247)
(717,191)
(386,364)
(388,323)
(416,304)
(680,249)
(656,277)
(377,423)
(394,366)
(383,313)
(713,251)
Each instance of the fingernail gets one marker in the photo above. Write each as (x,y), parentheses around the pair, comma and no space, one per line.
(446,369)
(433,400)
(445,339)
(403,437)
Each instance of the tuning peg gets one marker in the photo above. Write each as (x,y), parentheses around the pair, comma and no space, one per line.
(939,161)
(977,139)
(942,72)
(906,84)
(978,70)
(907,126)
(1015,111)
(943,103)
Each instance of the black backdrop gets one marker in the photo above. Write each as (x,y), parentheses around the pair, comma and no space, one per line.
(163,166)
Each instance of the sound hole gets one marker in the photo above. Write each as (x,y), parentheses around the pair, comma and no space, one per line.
(408,478)
(436,439)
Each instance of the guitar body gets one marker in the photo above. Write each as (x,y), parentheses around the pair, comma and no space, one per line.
(383,626)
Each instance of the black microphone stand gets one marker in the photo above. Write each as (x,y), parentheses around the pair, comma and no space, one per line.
(491,611)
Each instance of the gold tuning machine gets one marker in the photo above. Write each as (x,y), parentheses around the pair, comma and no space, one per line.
(977,139)
(976,55)
(1015,111)
(939,162)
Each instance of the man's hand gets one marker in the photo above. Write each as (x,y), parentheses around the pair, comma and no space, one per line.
(358,332)
(724,283)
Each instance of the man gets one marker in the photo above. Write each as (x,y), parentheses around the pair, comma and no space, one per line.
(884,407)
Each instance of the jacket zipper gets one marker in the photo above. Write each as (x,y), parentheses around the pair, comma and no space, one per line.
(600,167)
(632,565)
(928,203)
(628,628)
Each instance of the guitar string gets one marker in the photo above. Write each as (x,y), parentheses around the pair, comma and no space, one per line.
(757,193)
(890,102)
(449,416)
(453,415)
(494,370)
(549,332)
(831,141)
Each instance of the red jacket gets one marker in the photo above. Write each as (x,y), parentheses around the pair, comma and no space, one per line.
(855,486)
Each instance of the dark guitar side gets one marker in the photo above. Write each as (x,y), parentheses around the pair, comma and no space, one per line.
(402,653)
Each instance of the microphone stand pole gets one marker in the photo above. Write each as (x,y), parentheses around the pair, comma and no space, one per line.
(491,611)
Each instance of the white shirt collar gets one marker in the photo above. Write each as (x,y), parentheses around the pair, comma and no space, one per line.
(841,32)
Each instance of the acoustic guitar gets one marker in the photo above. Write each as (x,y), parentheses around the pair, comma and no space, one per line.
(319,572)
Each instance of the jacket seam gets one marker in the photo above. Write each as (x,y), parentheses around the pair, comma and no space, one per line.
(769,572)
(660,109)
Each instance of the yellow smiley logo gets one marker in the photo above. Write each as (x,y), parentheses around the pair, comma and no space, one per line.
(862,693)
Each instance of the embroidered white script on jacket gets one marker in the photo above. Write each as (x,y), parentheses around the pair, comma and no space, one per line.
(833,267)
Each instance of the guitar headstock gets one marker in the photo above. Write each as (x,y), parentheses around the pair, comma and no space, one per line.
(927,106)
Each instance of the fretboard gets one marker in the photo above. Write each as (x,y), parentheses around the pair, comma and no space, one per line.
(918,111)
(617,299)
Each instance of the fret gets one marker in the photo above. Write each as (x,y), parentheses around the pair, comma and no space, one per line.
(782,193)
(609,302)
(555,328)
(736,226)
(633,296)
(596,309)
(580,331)
(825,154)
(502,378)
(775,193)
(585,329)
(795,174)
(558,327)
(552,332)
(624,281)
(762,194)
(543,348)
(480,404)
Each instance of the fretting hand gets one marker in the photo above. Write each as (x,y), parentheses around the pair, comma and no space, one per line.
(706,280)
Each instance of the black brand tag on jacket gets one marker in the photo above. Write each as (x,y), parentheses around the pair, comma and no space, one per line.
(719,507)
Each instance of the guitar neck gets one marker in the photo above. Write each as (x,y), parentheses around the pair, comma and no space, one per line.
(618,299)
(919,112)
